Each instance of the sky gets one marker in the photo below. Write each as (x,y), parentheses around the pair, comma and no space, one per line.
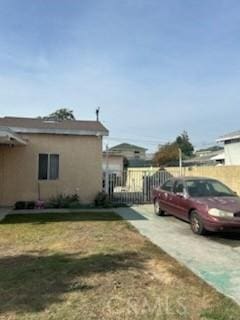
(154,67)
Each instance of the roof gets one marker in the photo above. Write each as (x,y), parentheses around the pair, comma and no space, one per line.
(38,125)
(140,163)
(126,146)
(9,137)
(206,157)
(220,156)
(229,136)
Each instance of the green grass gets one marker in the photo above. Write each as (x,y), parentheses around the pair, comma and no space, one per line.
(94,266)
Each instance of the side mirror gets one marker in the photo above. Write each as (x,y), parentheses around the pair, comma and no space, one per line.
(181,194)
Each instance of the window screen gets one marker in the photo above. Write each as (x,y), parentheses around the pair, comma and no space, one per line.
(54,167)
(43,166)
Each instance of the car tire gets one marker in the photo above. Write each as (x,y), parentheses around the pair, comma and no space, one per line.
(196,222)
(157,210)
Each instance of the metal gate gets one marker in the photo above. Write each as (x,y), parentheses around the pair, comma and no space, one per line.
(134,186)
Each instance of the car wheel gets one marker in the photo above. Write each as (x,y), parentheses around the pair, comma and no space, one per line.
(197,225)
(157,210)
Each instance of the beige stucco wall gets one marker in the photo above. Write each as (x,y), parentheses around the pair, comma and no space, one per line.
(80,168)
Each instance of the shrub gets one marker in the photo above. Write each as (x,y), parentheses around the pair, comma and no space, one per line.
(102,200)
(63,201)
(30,205)
(74,205)
(20,205)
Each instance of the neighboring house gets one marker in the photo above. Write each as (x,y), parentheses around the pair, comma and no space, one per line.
(41,158)
(231,147)
(114,162)
(129,151)
(206,158)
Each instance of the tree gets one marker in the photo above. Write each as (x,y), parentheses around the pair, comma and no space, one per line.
(167,154)
(61,114)
(183,142)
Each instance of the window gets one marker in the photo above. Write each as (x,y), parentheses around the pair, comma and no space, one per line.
(54,166)
(136,154)
(167,186)
(48,166)
(208,188)
(43,167)
(179,187)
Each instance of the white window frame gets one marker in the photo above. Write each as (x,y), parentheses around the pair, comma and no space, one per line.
(48,166)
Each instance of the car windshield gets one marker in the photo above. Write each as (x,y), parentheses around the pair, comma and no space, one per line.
(208,188)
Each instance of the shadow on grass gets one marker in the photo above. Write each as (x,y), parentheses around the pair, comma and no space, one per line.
(30,283)
(48,217)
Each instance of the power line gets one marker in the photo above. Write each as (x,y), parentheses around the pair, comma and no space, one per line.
(155,141)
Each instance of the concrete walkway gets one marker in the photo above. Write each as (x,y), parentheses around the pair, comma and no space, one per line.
(215,258)
(3,213)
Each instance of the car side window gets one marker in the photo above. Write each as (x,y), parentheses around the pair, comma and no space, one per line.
(167,186)
(178,187)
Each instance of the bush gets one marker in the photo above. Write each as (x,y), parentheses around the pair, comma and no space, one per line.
(30,205)
(20,205)
(75,205)
(102,200)
(63,201)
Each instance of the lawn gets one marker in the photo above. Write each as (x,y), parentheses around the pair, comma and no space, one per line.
(96,266)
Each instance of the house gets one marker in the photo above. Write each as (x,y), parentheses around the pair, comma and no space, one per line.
(206,157)
(41,158)
(231,147)
(129,151)
(114,163)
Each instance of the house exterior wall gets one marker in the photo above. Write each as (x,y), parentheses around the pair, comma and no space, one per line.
(80,168)
(232,153)
(115,163)
(130,154)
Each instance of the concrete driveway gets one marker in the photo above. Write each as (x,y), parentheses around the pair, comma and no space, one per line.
(3,213)
(215,258)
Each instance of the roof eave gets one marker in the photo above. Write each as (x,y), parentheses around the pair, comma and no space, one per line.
(60,131)
(10,138)
(222,139)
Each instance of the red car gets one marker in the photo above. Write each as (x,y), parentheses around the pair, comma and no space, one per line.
(206,203)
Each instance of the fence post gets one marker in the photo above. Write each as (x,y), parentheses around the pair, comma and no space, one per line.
(144,187)
(107,171)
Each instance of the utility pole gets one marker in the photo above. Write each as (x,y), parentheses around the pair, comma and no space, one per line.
(180,161)
(107,171)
